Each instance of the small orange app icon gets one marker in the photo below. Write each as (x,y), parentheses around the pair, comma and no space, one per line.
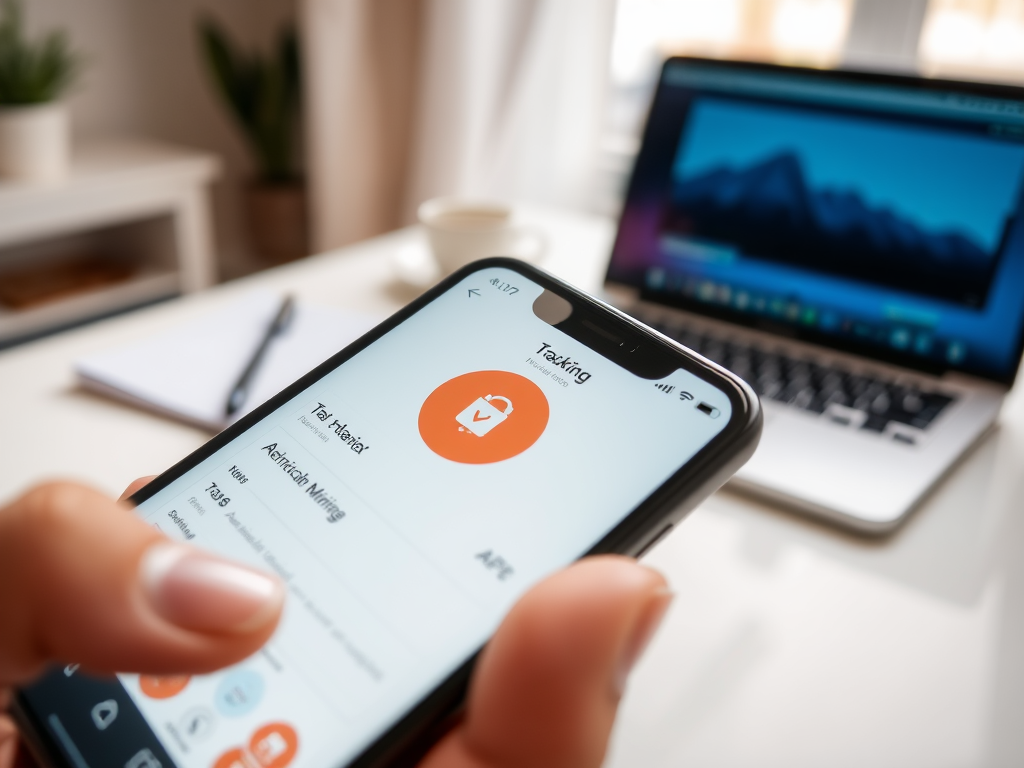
(483,417)
(233,758)
(163,687)
(272,746)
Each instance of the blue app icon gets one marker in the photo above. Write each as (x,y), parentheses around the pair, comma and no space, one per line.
(239,693)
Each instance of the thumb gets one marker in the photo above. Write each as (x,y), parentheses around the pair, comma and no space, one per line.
(547,686)
(84,580)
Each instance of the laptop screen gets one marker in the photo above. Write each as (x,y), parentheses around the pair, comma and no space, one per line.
(876,214)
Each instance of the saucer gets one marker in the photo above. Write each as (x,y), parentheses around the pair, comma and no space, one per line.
(414,265)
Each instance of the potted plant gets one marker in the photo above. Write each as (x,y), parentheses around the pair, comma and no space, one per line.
(34,140)
(263,94)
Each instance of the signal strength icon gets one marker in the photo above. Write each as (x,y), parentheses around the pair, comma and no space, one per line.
(666,388)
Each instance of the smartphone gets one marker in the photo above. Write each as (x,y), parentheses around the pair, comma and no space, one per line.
(408,491)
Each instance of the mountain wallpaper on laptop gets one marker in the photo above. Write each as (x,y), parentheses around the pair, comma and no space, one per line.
(768,211)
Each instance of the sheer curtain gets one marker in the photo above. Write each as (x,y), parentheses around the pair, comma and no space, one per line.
(408,99)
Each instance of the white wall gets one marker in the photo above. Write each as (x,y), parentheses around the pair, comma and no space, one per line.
(145,77)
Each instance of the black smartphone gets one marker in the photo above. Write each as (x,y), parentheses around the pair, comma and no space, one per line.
(408,491)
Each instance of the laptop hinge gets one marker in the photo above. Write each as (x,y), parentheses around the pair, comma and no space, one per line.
(625,298)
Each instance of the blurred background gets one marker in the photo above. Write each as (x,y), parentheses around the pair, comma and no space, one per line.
(385,103)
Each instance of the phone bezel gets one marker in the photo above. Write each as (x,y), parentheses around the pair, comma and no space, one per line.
(707,470)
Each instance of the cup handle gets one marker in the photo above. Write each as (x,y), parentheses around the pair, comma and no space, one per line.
(530,244)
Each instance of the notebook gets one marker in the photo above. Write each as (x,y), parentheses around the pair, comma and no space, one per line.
(187,373)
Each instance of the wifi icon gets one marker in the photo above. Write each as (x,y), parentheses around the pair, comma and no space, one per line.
(666,388)
(684,395)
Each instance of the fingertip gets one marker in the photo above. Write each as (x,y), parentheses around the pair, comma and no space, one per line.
(645,596)
(198,591)
(606,595)
(547,686)
(642,632)
(616,572)
(136,485)
(85,593)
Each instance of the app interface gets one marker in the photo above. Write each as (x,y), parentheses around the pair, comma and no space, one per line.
(407,499)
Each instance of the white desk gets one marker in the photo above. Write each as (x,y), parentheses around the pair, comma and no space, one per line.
(789,644)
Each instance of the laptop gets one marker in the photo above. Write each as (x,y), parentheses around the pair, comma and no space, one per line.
(850,244)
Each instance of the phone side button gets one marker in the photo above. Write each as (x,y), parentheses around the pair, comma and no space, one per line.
(650,545)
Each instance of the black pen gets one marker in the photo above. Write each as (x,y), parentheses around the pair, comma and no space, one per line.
(240,391)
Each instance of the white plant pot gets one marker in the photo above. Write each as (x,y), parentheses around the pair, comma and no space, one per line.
(34,142)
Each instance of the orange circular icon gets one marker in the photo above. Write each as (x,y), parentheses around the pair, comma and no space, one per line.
(274,745)
(233,758)
(483,417)
(163,687)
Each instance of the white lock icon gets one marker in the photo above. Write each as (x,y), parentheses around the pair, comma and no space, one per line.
(482,416)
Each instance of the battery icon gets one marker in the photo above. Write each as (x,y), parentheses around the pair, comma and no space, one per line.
(709,410)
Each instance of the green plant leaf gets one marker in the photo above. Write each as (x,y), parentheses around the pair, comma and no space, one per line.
(262,93)
(32,72)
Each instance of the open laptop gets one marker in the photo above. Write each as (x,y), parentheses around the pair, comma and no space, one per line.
(853,246)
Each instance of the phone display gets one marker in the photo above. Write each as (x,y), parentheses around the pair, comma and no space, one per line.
(407,496)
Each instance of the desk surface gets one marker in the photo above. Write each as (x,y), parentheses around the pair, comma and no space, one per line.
(789,643)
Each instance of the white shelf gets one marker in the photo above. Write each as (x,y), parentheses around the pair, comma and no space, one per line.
(16,324)
(145,201)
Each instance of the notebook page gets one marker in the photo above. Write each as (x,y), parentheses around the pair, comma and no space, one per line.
(189,371)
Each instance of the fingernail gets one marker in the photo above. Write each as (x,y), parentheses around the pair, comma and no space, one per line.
(643,631)
(198,591)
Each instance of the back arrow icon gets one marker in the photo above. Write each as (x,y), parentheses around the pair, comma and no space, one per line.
(104,713)
(473,291)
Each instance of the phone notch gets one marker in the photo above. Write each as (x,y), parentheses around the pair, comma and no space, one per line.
(612,337)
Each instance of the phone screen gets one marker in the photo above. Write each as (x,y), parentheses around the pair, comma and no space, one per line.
(407,499)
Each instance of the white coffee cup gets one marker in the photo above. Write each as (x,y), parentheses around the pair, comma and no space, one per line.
(462,230)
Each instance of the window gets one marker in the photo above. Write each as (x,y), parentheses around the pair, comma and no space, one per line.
(973,38)
(806,32)
(979,39)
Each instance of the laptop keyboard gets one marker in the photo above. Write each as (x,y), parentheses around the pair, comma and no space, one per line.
(814,387)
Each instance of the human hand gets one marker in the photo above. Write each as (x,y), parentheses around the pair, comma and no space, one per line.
(544,693)
(84,580)
(547,686)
